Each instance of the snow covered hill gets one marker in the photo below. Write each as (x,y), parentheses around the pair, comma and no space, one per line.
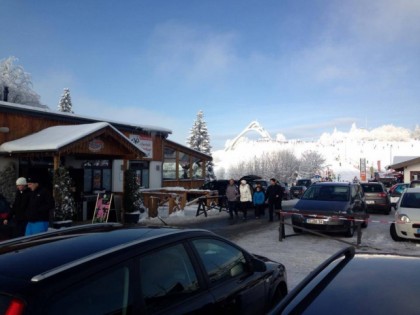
(341,150)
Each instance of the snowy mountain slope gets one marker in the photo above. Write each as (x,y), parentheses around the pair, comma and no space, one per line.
(342,151)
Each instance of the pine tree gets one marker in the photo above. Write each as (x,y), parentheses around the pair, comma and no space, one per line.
(7,182)
(132,195)
(199,140)
(65,104)
(65,206)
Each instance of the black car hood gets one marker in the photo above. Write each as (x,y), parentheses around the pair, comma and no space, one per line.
(319,206)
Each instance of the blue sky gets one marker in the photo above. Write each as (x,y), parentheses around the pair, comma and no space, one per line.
(298,67)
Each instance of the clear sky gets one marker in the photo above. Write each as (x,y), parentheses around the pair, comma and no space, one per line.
(298,67)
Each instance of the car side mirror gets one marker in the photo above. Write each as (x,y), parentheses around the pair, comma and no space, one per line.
(258,265)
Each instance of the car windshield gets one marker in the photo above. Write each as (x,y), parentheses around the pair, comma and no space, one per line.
(303,182)
(400,188)
(327,193)
(411,200)
(372,188)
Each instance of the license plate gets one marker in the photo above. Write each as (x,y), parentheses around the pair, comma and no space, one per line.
(315,221)
(370,202)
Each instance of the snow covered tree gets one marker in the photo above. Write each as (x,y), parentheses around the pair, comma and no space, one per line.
(16,84)
(65,104)
(311,163)
(65,206)
(416,133)
(199,140)
(132,201)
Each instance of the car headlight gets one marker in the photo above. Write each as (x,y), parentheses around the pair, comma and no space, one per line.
(402,218)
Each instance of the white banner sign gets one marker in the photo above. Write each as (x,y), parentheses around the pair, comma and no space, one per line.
(143,142)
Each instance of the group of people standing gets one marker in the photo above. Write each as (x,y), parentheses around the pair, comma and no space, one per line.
(32,207)
(243,198)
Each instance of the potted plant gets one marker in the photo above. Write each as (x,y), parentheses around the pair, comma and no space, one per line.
(65,206)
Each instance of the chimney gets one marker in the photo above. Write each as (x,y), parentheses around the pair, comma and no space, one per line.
(5,93)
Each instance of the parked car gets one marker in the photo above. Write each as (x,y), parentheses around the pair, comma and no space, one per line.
(262,182)
(376,196)
(304,182)
(286,191)
(395,192)
(330,207)
(297,191)
(415,183)
(407,216)
(111,269)
(351,283)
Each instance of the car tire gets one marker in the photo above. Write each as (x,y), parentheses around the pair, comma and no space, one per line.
(387,211)
(279,294)
(365,223)
(351,229)
(394,234)
(295,227)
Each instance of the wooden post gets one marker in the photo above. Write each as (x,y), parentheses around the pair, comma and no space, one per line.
(281,227)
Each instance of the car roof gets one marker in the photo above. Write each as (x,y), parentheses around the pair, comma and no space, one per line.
(412,190)
(28,257)
(352,281)
(332,184)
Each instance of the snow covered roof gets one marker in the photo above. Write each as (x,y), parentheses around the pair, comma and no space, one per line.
(45,110)
(400,159)
(405,163)
(55,138)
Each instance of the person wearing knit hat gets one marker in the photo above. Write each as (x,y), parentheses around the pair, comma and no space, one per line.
(21,181)
(18,212)
(40,207)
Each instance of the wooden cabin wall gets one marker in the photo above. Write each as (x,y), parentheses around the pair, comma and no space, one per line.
(22,125)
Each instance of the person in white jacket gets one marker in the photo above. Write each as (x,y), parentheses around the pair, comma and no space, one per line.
(245,197)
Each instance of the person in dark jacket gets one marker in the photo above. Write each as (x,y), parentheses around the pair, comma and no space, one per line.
(40,208)
(273,196)
(18,212)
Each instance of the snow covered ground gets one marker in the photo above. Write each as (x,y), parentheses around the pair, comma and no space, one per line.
(299,253)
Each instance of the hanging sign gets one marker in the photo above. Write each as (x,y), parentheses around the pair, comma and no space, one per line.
(143,142)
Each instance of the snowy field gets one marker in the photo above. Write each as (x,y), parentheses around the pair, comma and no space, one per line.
(299,253)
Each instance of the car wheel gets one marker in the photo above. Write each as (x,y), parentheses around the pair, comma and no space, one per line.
(350,229)
(279,295)
(295,227)
(387,211)
(394,234)
(365,223)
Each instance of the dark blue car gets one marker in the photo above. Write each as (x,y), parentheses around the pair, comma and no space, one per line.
(331,207)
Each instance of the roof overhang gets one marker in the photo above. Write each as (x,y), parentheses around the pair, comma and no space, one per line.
(188,150)
(402,165)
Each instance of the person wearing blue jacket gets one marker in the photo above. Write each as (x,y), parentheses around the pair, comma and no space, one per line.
(258,199)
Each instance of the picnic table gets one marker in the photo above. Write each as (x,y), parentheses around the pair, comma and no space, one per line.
(206,203)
